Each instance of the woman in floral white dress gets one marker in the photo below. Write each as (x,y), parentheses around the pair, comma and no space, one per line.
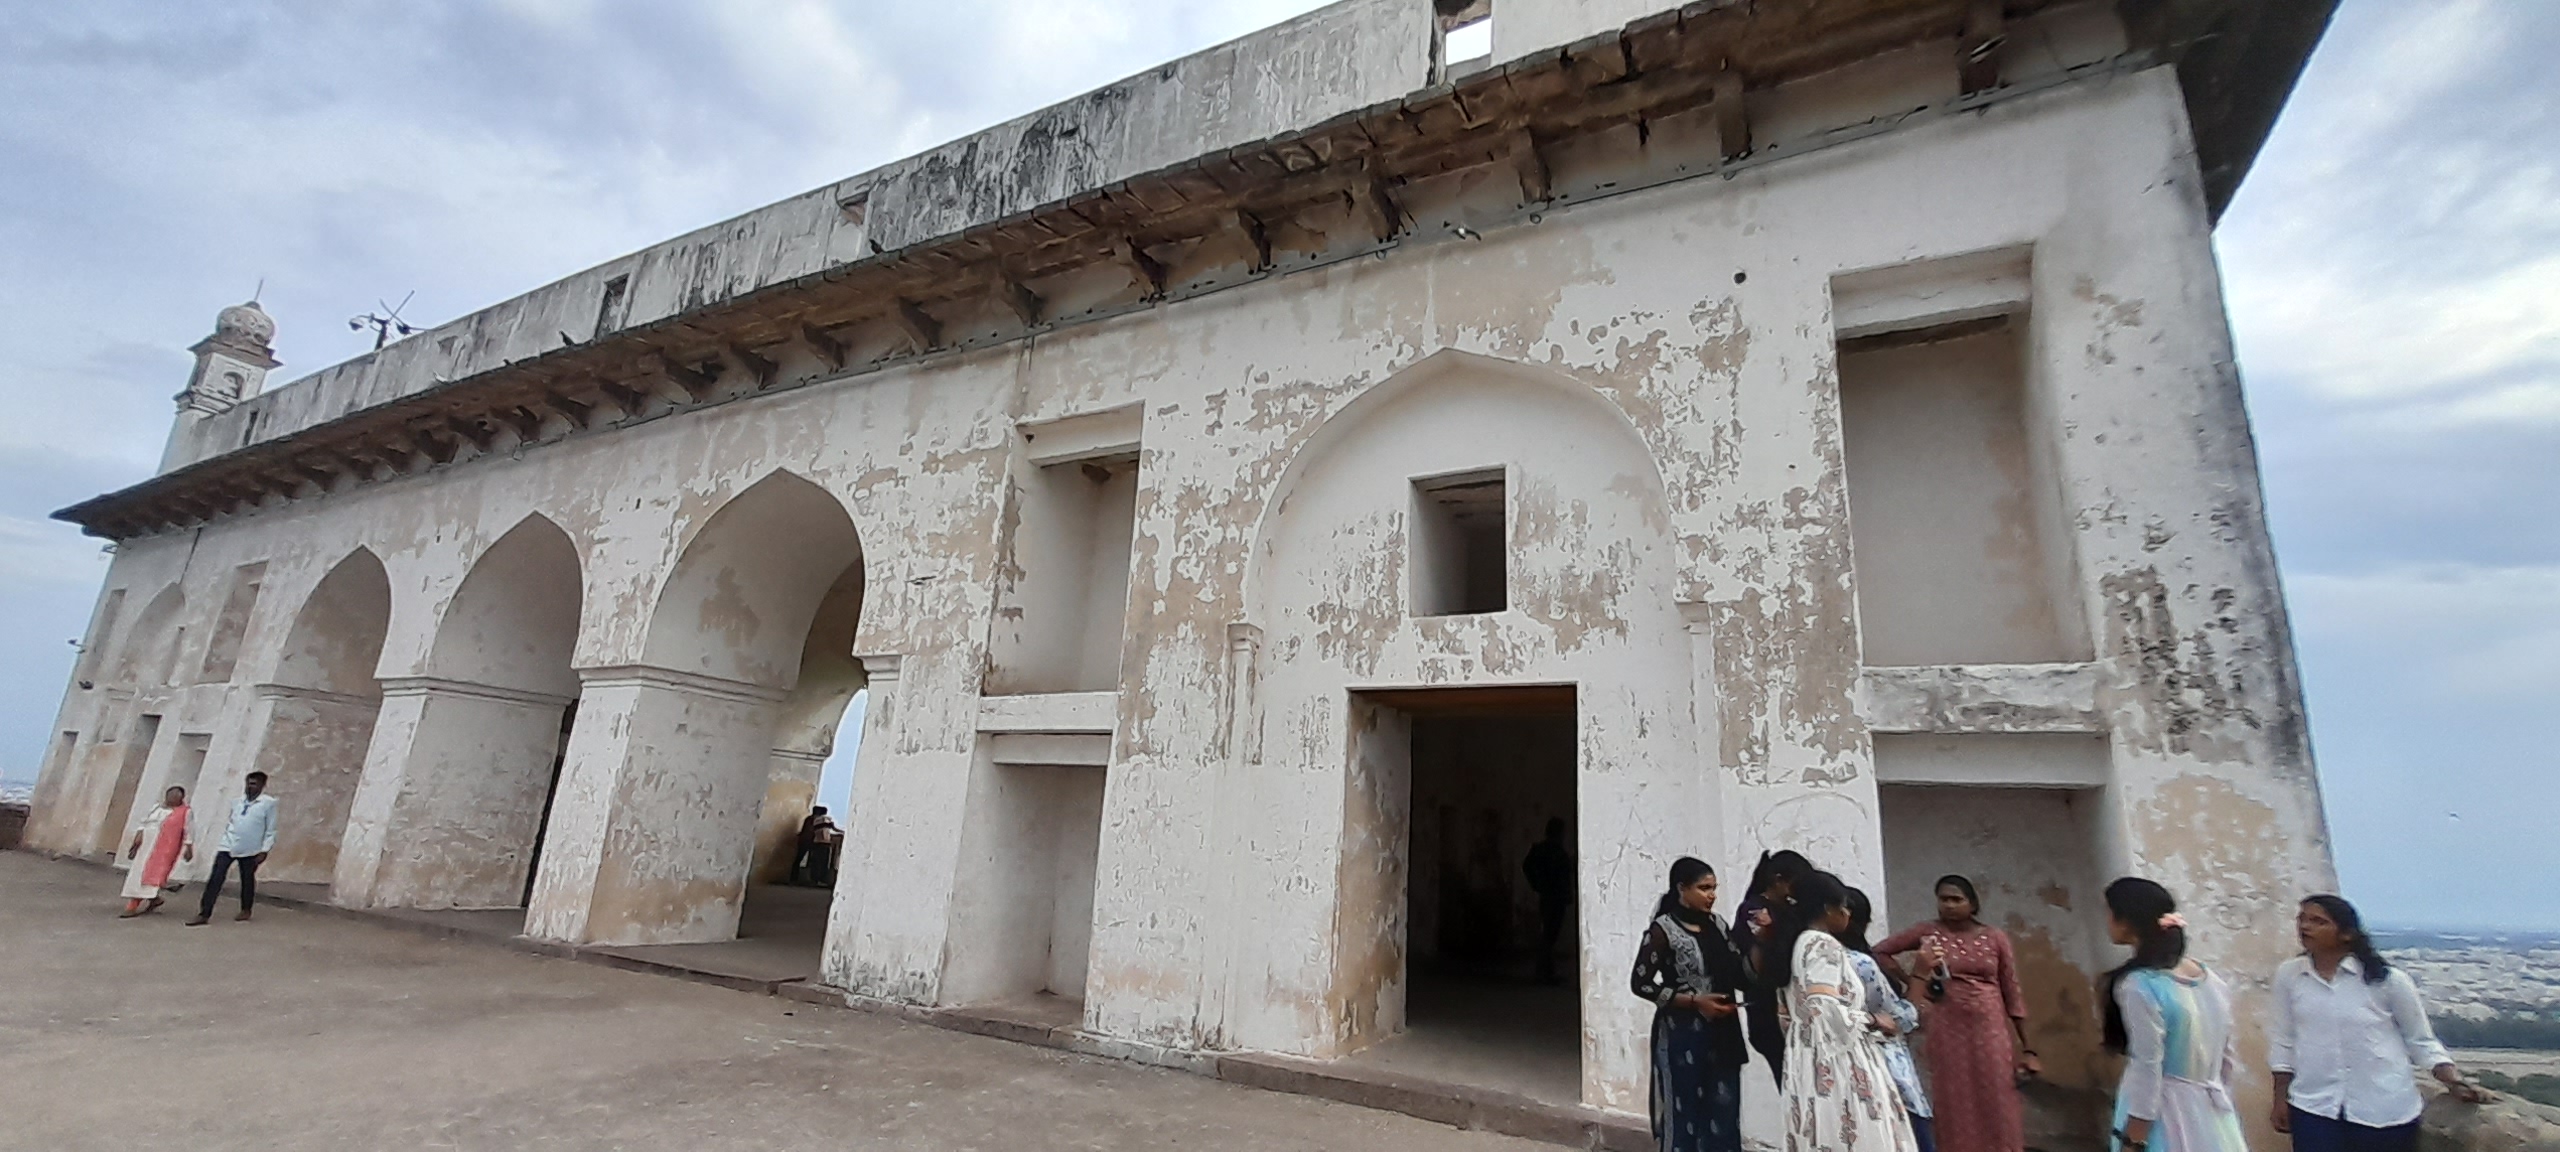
(1840,1096)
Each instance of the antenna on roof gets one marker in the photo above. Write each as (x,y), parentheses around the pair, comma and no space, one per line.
(383,323)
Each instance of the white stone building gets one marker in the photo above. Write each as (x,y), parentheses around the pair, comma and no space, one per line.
(1259,494)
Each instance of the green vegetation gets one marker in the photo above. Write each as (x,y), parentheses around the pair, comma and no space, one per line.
(2541,1033)
(2539,1087)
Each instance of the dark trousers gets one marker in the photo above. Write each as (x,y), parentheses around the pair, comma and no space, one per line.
(817,861)
(1551,917)
(1768,1037)
(1922,1133)
(222,862)
(2333,1134)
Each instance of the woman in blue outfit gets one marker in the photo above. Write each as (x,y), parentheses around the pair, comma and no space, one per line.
(1688,969)
(1893,1017)
(2171,1020)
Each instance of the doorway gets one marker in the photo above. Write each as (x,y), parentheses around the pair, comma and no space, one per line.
(1492,959)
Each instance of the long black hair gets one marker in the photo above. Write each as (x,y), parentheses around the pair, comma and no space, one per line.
(2140,905)
(1862,915)
(1815,893)
(1685,871)
(1784,864)
(2351,926)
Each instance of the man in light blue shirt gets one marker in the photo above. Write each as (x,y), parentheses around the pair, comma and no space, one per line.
(245,842)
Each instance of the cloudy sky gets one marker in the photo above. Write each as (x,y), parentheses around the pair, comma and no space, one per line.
(2393,268)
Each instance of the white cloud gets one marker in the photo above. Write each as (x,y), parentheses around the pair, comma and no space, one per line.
(2395,253)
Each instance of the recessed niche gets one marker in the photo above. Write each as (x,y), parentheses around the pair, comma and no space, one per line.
(1461,558)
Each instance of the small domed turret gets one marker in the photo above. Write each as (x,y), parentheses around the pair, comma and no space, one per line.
(231,366)
(245,326)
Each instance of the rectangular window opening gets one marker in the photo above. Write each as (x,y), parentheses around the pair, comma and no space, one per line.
(1461,554)
(1468,42)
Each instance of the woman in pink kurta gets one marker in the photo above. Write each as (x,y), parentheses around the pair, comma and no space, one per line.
(1975,1047)
(158,841)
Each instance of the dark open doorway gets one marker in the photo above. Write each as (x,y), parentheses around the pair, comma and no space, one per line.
(1492,959)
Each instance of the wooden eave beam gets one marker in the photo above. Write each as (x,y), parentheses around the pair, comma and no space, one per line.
(762,368)
(922,331)
(473,430)
(1537,183)
(1257,234)
(828,349)
(693,382)
(1378,202)
(439,445)
(1978,50)
(1019,300)
(1148,270)
(526,423)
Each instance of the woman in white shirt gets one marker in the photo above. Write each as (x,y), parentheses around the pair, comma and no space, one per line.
(2348,1029)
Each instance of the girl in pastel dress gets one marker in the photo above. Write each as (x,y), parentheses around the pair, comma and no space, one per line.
(2171,1019)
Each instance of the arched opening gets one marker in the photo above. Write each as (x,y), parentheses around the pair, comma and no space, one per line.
(455,790)
(691,771)
(318,715)
(150,647)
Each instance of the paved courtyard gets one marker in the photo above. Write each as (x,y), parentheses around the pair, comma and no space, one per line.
(303,1031)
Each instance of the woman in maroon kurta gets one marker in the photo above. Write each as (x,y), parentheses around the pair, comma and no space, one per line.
(1975,1042)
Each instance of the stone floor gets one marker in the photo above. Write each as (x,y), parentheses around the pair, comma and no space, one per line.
(300,1030)
(1506,1035)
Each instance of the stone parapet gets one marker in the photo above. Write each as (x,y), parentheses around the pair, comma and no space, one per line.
(2507,1124)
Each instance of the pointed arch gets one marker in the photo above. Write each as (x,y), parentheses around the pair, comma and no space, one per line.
(145,654)
(1457,472)
(336,639)
(452,806)
(513,623)
(1459,384)
(318,711)
(742,595)
(717,731)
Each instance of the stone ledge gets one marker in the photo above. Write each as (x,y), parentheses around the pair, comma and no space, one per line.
(1456,1105)
(1951,699)
(2506,1124)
